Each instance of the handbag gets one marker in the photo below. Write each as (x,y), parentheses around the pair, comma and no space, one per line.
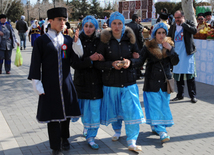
(169,82)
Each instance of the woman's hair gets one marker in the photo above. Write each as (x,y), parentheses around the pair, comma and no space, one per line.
(157,30)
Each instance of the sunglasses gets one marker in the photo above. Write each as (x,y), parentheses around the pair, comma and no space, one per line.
(200,19)
(161,32)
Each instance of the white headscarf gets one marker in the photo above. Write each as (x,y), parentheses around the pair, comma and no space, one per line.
(45,25)
(33,25)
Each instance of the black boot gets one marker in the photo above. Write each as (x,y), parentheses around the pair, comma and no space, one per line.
(57,152)
(65,144)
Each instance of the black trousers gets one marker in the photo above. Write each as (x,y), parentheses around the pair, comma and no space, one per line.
(190,85)
(56,131)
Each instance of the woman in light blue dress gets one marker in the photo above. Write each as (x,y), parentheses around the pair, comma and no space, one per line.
(160,56)
(120,91)
(87,79)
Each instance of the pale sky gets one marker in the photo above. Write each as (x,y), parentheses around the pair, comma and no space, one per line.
(102,2)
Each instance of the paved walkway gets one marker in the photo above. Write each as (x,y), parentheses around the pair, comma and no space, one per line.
(21,134)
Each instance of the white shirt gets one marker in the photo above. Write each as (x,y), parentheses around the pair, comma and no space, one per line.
(178,28)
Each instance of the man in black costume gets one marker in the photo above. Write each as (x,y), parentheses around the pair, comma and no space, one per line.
(52,81)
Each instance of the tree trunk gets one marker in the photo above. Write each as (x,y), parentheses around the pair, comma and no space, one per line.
(187,6)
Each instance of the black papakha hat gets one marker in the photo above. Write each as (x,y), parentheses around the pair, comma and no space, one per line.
(57,12)
(3,16)
(207,13)
(81,17)
(164,16)
(200,14)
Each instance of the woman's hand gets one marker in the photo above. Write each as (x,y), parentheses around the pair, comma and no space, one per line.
(101,57)
(114,64)
(167,45)
(127,63)
(95,57)
(135,55)
(76,35)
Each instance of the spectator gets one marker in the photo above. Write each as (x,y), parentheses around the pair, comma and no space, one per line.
(79,25)
(70,31)
(104,25)
(7,43)
(182,32)
(22,28)
(138,31)
(34,32)
(209,20)
(201,22)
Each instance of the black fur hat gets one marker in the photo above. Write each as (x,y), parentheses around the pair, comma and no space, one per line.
(3,16)
(57,12)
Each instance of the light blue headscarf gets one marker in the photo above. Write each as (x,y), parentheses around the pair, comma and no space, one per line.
(158,26)
(90,19)
(119,16)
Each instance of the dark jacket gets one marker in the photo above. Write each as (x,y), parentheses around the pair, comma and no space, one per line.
(87,79)
(113,50)
(44,67)
(138,29)
(154,75)
(21,26)
(189,29)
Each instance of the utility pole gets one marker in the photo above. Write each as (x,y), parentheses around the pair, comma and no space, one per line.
(54,3)
(28,3)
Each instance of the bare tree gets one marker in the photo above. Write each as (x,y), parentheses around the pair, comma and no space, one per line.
(5,5)
(187,6)
(212,4)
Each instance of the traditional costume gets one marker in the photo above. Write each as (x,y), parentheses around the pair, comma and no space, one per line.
(88,81)
(120,91)
(51,78)
(156,98)
(34,32)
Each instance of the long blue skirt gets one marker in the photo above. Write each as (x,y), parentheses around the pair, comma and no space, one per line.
(157,108)
(33,38)
(90,110)
(121,104)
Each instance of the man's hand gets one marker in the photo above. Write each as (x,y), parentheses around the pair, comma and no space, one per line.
(1,33)
(17,44)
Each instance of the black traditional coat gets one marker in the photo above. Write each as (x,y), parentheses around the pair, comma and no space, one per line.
(88,79)
(154,75)
(44,67)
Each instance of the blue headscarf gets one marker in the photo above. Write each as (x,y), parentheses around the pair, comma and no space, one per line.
(119,16)
(158,26)
(90,19)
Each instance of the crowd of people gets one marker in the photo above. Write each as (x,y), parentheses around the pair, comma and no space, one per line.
(106,66)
